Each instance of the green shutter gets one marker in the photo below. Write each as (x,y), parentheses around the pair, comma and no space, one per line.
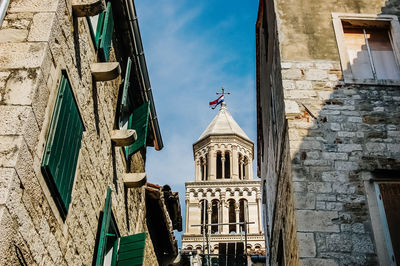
(107,32)
(125,90)
(139,121)
(62,146)
(131,250)
(105,224)
(99,29)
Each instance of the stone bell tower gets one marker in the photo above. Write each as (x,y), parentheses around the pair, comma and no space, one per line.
(224,190)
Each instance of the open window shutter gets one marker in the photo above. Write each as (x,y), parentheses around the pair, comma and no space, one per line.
(139,121)
(105,224)
(99,28)
(62,147)
(106,33)
(125,90)
(131,250)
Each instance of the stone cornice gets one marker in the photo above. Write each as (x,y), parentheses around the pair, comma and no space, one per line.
(216,238)
(223,183)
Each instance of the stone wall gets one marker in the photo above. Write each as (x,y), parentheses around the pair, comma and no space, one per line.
(342,133)
(37,40)
(273,158)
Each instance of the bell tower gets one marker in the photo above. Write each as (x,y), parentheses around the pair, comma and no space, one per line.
(223,194)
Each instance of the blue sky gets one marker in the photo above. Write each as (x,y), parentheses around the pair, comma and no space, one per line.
(192,49)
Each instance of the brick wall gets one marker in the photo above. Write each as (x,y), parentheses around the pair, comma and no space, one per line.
(37,40)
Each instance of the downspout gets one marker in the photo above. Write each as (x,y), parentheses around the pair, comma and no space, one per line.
(134,28)
(3,10)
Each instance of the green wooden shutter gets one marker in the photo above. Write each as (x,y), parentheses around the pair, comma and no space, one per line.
(125,91)
(62,146)
(99,29)
(131,250)
(105,224)
(107,32)
(139,121)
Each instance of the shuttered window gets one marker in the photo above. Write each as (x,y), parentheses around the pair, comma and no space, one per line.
(139,121)
(102,27)
(371,53)
(115,250)
(62,147)
(389,207)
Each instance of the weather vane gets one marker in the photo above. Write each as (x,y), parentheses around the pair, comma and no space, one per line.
(220,99)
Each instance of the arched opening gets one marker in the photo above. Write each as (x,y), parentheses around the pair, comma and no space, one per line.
(219,165)
(204,214)
(214,216)
(243,213)
(232,216)
(227,165)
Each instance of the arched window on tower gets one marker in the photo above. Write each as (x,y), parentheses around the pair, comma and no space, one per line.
(214,216)
(243,213)
(219,165)
(232,216)
(204,214)
(203,170)
(227,165)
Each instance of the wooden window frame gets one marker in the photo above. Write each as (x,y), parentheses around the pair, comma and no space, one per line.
(344,58)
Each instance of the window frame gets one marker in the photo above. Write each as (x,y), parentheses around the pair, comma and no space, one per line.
(343,55)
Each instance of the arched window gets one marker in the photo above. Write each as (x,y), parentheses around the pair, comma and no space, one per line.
(243,213)
(204,214)
(219,165)
(227,165)
(232,216)
(214,216)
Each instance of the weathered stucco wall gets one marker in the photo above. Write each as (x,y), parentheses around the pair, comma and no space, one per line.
(305,27)
(37,40)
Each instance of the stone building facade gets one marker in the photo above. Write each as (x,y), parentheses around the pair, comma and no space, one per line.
(328,105)
(76,115)
(224,190)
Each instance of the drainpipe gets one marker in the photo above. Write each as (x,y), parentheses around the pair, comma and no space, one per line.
(3,10)
(134,28)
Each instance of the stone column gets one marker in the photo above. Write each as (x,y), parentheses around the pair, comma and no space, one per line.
(187,213)
(259,211)
(241,169)
(237,209)
(234,165)
(230,165)
(225,215)
(198,170)
(209,212)
(204,163)
(211,165)
(250,177)
(223,165)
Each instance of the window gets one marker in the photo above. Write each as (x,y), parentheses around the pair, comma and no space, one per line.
(368,48)
(113,249)
(102,27)
(62,146)
(389,208)
(131,117)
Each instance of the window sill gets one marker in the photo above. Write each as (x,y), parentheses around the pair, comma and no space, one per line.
(378,82)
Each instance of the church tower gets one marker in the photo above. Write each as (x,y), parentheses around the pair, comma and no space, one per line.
(224,191)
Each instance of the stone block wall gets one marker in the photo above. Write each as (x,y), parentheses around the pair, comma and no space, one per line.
(37,40)
(342,133)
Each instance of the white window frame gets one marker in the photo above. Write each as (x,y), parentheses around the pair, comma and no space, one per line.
(344,58)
